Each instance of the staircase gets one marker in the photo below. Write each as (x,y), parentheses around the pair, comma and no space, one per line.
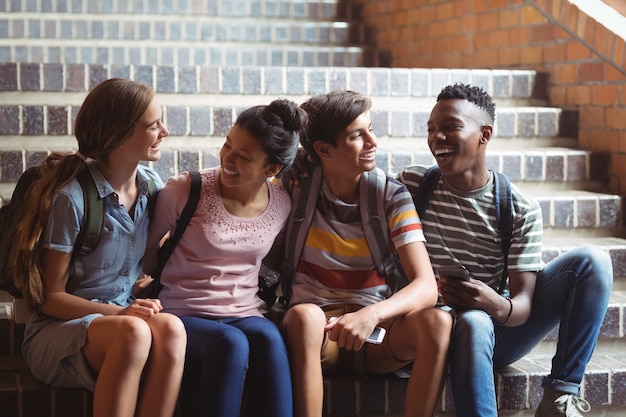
(208,60)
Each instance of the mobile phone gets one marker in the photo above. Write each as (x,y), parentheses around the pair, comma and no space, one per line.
(377,336)
(455,271)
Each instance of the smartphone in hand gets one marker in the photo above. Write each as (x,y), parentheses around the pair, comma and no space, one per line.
(455,272)
(377,336)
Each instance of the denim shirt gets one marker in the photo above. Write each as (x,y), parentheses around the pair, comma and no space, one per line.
(107,274)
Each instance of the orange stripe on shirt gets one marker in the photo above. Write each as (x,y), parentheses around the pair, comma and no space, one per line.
(404,229)
(347,280)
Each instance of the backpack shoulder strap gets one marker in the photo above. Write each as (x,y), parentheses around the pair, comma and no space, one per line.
(304,201)
(89,234)
(504,217)
(421,196)
(372,201)
(152,197)
(166,250)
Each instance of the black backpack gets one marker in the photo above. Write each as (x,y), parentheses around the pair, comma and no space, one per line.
(88,237)
(503,202)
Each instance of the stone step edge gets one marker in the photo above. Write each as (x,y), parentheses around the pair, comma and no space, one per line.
(518,385)
(404,120)
(279,9)
(539,171)
(371,81)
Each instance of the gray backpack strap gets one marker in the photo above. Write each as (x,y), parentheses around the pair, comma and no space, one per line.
(504,217)
(304,201)
(374,219)
(376,227)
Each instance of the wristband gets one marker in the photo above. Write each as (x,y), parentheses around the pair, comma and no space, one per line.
(508,317)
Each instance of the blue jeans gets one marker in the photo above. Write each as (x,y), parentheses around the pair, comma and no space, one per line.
(573,290)
(223,354)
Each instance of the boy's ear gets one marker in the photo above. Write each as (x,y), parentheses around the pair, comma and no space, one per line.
(321,148)
(486,132)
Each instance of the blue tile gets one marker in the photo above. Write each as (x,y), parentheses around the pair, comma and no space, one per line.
(52,77)
(187,79)
(34,29)
(30,77)
(4,28)
(200,118)
(97,30)
(166,80)
(120,71)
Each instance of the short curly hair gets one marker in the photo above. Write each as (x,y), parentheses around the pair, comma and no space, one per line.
(473,94)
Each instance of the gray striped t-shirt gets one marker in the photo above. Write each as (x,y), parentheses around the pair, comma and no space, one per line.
(460,228)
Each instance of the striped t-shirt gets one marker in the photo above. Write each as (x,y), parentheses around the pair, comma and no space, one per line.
(461,228)
(336,266)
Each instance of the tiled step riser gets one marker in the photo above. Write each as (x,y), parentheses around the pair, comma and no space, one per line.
(590,212)
(327,9)
(210,54)
(533,167)
(518,388)
(33,29)
(21,395)
(615,323)
(560,210)
(396,83)
(192,120)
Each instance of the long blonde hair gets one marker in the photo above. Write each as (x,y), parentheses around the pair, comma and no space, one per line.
(105,120)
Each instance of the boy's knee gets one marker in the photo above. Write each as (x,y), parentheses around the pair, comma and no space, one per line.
(473,320)
(597,264)
(434,321)
(301,317)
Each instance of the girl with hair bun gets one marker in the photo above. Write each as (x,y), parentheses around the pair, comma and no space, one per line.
(211,279)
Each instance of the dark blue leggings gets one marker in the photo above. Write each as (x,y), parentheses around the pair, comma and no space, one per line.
(223,354)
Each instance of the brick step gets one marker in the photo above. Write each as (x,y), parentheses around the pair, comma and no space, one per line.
(565,205)
(522,162)
(36,29)
(615,246)
(518,386)
(211,120)
(395,83)
(213,53)
(574,209)
(311,9)
(542,169)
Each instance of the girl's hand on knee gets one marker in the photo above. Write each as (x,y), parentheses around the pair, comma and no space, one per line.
(143,308)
